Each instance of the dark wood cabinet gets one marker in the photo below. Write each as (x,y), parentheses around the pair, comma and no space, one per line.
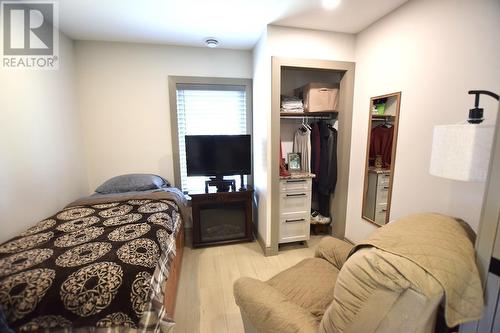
(222,217)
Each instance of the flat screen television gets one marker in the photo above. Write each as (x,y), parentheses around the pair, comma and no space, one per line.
(218,155)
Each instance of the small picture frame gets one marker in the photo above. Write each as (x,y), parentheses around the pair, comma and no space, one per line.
(294,162)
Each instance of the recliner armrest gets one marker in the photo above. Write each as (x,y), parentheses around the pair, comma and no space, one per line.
(269,311)
(333,250)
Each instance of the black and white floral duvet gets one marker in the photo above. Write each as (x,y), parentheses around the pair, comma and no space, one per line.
(97,265)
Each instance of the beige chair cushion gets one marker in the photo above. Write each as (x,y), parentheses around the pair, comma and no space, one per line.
(308,284)
(334,250)
(369,286)
(265,310)
(443,248)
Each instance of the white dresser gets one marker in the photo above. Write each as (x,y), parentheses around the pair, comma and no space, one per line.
(295,209)
(375,205)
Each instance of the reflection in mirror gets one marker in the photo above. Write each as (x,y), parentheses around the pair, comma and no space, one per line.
(380,157)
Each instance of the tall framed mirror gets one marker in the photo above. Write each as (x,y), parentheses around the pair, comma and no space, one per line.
(380,157)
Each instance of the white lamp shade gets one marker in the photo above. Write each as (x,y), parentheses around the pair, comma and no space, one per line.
(461,152)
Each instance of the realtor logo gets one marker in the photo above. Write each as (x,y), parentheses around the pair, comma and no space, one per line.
(30,35)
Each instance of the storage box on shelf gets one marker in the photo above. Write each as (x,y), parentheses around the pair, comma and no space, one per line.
(318,97)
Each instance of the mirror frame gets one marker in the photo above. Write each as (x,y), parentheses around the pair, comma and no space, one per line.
(397,95)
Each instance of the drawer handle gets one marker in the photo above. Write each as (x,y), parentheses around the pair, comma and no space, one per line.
(295,220)
(386,187)
(296,181)
(296,195)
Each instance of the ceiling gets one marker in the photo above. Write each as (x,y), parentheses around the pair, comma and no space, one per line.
(237,24)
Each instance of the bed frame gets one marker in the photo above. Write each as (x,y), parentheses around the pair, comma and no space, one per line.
(172,282)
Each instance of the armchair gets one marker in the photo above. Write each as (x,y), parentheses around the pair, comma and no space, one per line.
(392,282)
(300,299)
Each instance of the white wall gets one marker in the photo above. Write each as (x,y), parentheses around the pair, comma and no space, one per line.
(433,52)
(261,132)
(310,44)
(290,43)
(124,102)
(41,163)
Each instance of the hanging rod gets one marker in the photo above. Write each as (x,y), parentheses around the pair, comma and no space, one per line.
(315,115)
(299,117)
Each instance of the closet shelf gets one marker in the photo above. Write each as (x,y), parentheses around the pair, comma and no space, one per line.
(382,116)
(324,115)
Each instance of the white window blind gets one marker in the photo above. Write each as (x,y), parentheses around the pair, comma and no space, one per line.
(208,110)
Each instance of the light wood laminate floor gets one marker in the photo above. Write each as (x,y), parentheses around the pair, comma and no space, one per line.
(205,301)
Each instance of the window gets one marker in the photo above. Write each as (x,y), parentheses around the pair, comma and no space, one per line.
(208,109)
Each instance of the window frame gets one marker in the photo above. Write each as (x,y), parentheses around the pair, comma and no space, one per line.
(173,81)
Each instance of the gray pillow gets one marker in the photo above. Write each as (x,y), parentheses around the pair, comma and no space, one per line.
(131,183)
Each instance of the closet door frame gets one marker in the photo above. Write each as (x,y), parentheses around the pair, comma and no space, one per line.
(345,108)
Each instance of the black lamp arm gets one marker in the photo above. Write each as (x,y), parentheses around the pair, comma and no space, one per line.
(476,114)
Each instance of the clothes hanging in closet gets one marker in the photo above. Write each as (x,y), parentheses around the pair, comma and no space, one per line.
(327,177)
(302,145)
(315,150)
(381,144)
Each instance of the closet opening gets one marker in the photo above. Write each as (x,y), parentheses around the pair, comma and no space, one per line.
(308,139)
(312,102)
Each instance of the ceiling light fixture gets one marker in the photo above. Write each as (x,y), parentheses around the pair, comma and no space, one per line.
(330,4)
(211,42)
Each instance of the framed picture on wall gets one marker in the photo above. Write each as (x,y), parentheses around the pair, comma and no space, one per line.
(293,162)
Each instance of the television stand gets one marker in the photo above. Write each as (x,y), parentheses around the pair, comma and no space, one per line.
(223,185)
(222,217)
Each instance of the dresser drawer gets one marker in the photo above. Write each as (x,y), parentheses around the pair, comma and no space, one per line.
(295,202)
(383,179)
(381,213)
(295,185)
(294,227)
(382,195)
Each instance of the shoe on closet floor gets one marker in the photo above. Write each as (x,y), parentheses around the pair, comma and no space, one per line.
(317,218)
(323,219)
(314,217)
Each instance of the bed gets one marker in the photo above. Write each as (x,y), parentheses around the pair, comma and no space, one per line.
(105,262)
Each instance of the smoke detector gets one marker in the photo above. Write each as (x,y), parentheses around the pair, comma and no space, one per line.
(211,42)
